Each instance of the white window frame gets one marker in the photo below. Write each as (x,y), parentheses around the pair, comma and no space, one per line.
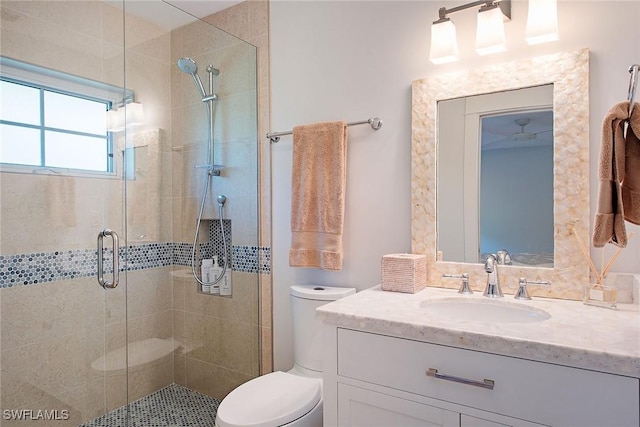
(43,78)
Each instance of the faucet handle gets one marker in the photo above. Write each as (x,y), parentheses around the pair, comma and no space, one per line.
(464,285)
(503,257)
(523,293)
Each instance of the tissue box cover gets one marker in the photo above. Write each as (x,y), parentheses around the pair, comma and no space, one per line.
(404,272)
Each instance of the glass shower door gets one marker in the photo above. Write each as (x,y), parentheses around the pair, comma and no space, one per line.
(62,335)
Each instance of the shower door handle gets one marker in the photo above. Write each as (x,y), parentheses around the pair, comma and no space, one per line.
(116,263)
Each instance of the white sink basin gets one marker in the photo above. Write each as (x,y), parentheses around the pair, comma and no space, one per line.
(485,310)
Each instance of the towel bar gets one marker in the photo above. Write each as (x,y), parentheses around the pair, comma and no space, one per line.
(375,123)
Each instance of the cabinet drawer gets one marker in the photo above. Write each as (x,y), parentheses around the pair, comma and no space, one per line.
(534,391)
(364,408)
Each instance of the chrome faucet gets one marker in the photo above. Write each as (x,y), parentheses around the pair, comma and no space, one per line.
(493,286)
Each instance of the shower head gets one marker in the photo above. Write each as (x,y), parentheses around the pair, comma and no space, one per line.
(221,200)
(189,66)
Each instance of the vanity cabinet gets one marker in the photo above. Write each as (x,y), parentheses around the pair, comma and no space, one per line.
(380,380)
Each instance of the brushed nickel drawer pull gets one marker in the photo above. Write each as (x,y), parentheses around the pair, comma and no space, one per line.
(488,384)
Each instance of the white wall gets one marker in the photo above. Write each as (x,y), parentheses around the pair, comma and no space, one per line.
(351,60)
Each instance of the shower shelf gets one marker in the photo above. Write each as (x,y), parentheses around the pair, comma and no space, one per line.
(140,354)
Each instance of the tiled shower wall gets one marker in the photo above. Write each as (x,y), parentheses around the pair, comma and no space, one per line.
(54,333)
(249,21)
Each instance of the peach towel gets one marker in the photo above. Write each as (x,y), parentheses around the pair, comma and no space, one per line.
(619,174)
(318,195)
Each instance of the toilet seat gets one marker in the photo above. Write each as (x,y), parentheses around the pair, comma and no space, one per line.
(275,399)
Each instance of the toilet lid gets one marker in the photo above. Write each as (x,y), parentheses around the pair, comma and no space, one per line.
(271,400)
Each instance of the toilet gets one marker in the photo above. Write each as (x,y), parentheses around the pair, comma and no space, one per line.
(292,398)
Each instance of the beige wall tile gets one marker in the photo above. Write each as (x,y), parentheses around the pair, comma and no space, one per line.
(116,391)
(241,307)
(266,350)
(81,404)
(63,363)
(258,18)
(146,38)
(55,44)
(82,17)
(55,211)
(150,379)
(148,292)
(156,325)
(221,342)
(199,38)
(234,20)
(212,380)
(179,369)
(34,313)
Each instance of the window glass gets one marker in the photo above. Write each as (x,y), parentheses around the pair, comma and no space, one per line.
(65,150)
(26,151)
(70,112)
(49,127)
(19,103)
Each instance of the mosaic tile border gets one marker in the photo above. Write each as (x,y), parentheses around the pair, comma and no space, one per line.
(43,267)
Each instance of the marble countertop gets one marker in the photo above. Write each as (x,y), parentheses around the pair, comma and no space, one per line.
(576,335)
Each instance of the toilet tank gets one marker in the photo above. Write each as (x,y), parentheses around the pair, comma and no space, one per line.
(307,331)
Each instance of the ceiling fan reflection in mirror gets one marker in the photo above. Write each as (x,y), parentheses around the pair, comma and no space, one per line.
(523,135)
(517,130)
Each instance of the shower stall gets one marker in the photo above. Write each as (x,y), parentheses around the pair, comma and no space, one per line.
(107,171)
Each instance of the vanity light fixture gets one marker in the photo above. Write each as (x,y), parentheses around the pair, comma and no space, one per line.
(490,36)
(490,30)
(116,117)
(444,45)
(542,21)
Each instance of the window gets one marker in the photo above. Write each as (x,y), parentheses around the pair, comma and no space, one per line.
(50,119)
(42,127)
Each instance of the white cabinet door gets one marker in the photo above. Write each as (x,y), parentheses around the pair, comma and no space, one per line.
(358,407)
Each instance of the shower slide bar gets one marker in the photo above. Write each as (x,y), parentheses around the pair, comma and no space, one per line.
(375,123)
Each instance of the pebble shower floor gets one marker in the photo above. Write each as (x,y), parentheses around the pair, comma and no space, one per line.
(172,406)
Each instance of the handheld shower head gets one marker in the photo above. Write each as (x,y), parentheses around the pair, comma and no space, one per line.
(221,200)
(190,66)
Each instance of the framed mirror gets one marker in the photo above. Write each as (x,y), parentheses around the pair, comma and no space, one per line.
(495,176)
(566,77)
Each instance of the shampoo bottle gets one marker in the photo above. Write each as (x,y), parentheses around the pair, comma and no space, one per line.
(215,271)
(206,275)
(225,283)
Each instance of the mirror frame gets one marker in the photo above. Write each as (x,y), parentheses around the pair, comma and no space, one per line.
(569,74)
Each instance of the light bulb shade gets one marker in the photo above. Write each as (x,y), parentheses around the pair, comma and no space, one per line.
(542,21)
(135,113)
(490,36)
(127,115)
(115,120)
(444,45)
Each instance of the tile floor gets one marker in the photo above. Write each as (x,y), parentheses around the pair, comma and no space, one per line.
(172,406)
